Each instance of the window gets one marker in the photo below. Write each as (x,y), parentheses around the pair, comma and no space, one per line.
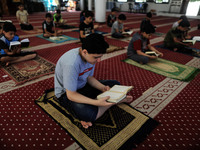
(161,1)
(140,1)
(121,0)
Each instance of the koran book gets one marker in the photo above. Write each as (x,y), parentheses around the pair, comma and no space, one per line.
(116,93)
(16,44)
(152,53)
(189,41)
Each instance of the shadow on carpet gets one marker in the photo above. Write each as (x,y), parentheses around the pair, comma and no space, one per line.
(168,68)
(195,52)
(28,70)
(121,127)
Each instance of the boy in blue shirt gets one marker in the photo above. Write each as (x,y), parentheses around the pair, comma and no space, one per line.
(75,86)
(7,55)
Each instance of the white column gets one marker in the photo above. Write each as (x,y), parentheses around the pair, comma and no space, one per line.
(82,4)
(90,5)
(100,10)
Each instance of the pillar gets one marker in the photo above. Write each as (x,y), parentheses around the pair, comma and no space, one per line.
(90,5)
(82,4)
(100,10)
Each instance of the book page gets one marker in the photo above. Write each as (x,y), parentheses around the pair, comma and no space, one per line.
(25,40)
(114,96)
(196,38)
(121,88)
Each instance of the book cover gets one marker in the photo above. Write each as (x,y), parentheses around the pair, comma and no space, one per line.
(116,93)
(19,44)
(152,53)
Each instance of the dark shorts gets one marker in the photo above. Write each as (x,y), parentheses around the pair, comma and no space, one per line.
(85,112)
(18,55)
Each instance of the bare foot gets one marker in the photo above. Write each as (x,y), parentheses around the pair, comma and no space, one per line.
(86,124)
(128,99)
(175,49)
(8,63)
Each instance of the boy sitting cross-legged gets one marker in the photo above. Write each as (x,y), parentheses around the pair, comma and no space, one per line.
(7,55)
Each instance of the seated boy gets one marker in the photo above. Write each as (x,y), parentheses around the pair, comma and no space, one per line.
(49,28)
(86,27)
(7,55)
(118,27)
(59,22)
(75,86)
(147,22)
(22,17)
(139,44)
(175,36)
(111,18)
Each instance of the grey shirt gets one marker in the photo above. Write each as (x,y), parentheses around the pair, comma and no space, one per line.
(116,26)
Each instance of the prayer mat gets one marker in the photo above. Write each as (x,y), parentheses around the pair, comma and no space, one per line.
(168,68)
(28,70)
(159,34)
(60,39)
(120,127)
(113,48)
(95,31)
(195,52)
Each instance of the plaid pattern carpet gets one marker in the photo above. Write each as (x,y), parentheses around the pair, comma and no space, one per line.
(172,102)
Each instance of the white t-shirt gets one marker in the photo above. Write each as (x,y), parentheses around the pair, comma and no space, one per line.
(22,15)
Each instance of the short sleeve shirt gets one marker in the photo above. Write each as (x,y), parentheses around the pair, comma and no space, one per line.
(174,32)
(116,26)
(86,28)
(48,26)
(137,43)
(22,15)
(71,72)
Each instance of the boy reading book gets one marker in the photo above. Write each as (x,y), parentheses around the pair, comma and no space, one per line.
(116,93)
(75,86)
(139,44)
(8,55)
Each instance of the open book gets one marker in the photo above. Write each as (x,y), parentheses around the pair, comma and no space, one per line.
(56,37)
(18,44)
(197,38)
(116,93)
(128,32)
(189,41)
(152,53)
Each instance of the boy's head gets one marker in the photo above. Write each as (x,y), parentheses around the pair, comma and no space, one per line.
(146,31)
(48,17)
(184,25)
(89,16)
(21,7)
(93,47)
(121,18)
(149,15)
(9,30)
(58,11)
(113,11)
(183,18)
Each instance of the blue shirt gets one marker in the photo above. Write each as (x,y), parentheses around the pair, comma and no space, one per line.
(5,43)
(71,72)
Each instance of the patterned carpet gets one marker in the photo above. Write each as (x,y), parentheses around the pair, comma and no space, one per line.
(175,104)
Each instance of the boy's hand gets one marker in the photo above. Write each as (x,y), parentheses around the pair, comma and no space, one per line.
(105,88)
(103,102)
(160,54)
(153,57)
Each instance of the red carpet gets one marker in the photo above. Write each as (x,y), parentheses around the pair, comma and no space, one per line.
(23,125)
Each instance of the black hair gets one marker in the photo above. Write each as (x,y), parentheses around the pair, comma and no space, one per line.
(9,27)
(113,9)
(183,18)
(58,11)
(95,44)
(149,15)
(148,29)
(48,15)
(184,23)
(89,14)
(122,17)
